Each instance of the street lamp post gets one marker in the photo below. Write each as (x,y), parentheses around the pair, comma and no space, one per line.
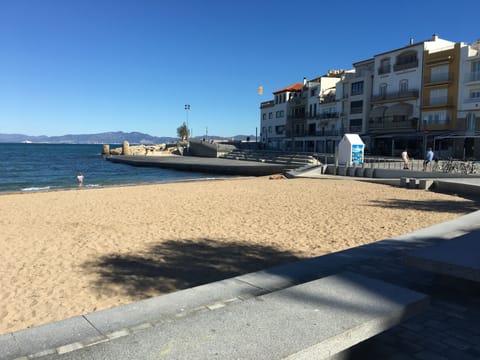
(187,108)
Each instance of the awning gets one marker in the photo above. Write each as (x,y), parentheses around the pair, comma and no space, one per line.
(378,112)
(402,109)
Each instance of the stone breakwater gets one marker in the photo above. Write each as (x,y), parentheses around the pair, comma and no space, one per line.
(145,150)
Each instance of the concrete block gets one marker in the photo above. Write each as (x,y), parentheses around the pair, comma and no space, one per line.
(314,320)
(9,348)
(413,184)
(369,172)
(342,170)
(459,257)
(133,314)
(54,335)
(351,171)
(404,181)
(359,171)
(425,184)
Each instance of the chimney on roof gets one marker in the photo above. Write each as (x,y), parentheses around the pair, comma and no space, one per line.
(435,37)
(411,41)
(304,81)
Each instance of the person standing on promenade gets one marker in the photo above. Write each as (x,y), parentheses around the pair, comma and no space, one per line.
(80,179)
(405,159)
(428,158)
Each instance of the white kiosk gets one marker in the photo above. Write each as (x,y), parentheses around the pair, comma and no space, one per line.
(350,150)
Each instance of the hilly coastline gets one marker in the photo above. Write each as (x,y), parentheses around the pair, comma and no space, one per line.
(116,137)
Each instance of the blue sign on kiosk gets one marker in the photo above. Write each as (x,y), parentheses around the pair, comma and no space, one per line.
(350,150)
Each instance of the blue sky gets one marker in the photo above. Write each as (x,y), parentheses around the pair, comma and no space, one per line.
(88,66)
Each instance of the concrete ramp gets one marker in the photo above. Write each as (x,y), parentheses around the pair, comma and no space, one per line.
(314,320)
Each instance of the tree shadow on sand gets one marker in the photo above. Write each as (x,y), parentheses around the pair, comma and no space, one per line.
(175,265)
(430,205)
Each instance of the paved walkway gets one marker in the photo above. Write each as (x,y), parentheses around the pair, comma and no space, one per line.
(449,329)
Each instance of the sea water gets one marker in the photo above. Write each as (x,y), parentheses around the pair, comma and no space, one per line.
(41,167)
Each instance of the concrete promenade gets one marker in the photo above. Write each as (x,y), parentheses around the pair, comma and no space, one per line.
(448,329)
(205,165)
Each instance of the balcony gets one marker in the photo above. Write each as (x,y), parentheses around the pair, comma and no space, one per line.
(445,101)
(356,110)
(327,116)
(434,79)
(327,133)
(355,129)
(405,66)
(266,104)
(327,99)
(472,76)
(410,124)
(394,96)
(385,69)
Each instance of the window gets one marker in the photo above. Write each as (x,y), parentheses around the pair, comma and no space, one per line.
(383,90)
(384,66)
(439,73)
(406,60)
(403,86)
(264,116)
(470,121)
(435,118)
(313,91)
(314,109)
(270,115)
(475,94)
(357,88)
(475,71)
(269,129)
(439,96)
(356,107)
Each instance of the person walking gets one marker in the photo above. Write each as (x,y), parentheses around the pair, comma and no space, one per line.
(428,158)
(405,159)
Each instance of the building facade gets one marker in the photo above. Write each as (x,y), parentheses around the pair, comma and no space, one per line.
(420,95)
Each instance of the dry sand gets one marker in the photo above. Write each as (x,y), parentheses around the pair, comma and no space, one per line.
(66,253)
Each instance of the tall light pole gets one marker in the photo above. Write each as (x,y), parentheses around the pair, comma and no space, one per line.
(187,108)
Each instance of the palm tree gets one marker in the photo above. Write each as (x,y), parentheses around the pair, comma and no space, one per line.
(183,132)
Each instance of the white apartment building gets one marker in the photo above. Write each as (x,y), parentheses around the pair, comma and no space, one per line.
(469,92)
(423,94)
(394,120)
(354,92)
(322,127)
(273,116)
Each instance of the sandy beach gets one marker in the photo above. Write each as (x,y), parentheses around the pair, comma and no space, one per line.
(66,253)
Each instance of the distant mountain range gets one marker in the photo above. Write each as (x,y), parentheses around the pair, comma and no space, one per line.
(116,137)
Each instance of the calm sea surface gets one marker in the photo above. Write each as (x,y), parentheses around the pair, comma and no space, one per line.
(39,167)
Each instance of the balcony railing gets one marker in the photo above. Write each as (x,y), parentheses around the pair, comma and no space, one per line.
(410,124)
(436,78)
(385,69)
(328,116)
(405,66)
(327,133)
(355,129)
(396,95)
(472,76)
(356,110)
(439,101)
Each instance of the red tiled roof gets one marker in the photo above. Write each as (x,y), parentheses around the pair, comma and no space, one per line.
(293,87)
